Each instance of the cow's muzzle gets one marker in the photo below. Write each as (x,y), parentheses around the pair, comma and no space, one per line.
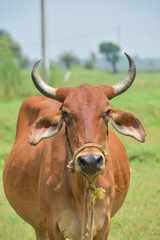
(90,164)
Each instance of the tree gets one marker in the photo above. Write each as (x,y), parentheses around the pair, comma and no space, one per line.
(7,44)
(90,63)
(68,59)
(111,51)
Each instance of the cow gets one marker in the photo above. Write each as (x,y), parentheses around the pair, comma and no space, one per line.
(68,174)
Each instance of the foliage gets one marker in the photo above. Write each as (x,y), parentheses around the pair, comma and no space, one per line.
(68,59)
(89,64)
(111,51)
(13,80)
(11,75)
(7,44)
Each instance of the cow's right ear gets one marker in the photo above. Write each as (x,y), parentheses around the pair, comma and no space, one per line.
(45,127)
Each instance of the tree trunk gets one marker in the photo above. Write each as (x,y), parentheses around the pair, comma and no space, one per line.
(114,68)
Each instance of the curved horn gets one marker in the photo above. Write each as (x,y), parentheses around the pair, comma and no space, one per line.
(43,87)
(128,80)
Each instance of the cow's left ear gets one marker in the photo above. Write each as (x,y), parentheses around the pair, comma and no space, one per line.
(45,127)
(127,124)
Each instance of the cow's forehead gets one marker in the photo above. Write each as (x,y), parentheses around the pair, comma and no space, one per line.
(84,96)
(86,90)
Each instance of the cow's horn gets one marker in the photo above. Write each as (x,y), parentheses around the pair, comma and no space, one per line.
(43,87)
(128,80)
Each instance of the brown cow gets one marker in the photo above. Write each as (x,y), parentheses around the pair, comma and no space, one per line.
(59,203)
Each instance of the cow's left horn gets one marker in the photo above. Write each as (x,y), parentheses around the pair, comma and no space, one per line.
(43,87)
(128,80)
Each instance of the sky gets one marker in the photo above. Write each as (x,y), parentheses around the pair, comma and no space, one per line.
(80,26)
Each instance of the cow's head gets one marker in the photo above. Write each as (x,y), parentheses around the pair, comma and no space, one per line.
(86,111)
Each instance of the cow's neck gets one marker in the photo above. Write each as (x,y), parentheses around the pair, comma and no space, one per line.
(86,212)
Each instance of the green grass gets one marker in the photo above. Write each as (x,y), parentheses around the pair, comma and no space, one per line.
(8,117)
(139,218)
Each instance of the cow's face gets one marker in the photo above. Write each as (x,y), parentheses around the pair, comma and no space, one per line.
(85,112)
(86,122)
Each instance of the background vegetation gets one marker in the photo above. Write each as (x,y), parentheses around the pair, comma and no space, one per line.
(139,217)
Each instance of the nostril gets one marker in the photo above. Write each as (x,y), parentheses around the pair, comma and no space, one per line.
(99,161)
(81,162)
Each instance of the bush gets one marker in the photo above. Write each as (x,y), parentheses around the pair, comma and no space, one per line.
(14,81)
(9,74)
(89,64)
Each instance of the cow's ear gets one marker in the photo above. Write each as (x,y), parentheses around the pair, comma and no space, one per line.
(127,124)
(45,127)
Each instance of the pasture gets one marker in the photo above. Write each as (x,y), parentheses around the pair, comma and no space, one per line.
(139,218)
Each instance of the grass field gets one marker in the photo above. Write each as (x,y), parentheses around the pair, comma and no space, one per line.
(139,218)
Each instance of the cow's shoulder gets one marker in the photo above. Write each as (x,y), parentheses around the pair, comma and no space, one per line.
(117,152)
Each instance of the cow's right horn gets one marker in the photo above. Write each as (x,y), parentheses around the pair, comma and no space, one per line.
(43,87)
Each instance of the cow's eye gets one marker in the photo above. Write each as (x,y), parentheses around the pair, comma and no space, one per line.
(67,118)
(108,112)
(65,114)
